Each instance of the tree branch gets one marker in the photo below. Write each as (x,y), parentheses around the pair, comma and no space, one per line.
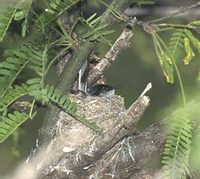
(161,11)
(70,71)
(180,11)
(122,42)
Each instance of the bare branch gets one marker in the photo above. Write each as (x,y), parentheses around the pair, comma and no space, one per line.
(70,71)
(180,11)
(122,42)
(161,11)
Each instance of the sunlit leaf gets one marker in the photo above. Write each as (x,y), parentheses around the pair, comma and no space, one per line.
(188,50)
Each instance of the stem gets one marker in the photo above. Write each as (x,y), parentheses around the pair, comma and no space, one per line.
(176,69)
(31,110)
(92,26)
(187,26)
(70,71)
(165,29)
(64,31)
(113,11)
(55,58)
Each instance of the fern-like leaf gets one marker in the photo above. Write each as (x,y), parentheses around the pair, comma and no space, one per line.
(11,122)
(176,41)
(22,12)
(38,59)
(37,90)
(177,147)
(194,41)
(188,50)
(10,68)
(64,102)
(50,93)
(6,17)
(165,61)
(70,107)
(17,12)
(95,31)
(53,94)
(196,22)
(12,94)
(55,9)
(38,62)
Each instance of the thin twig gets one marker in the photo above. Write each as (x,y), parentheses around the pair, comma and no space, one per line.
(151,27)
(187,26)
(180,11)
(148,87)
(160,11)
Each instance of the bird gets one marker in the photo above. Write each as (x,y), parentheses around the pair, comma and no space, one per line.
(101,90)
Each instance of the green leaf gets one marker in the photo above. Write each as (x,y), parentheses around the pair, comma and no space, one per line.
(176,41)
(6,18)
(11,95)
(36,89)
(188,50)
(19,15)
(22,13)
(55,9)
(11,122)
(38,60)
(70,107)
(197,22)
(12,67)
(91,17)
(194,41)
(165,61)
(178,145)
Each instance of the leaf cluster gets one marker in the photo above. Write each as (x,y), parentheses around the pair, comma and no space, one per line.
(181,39)
(37,54)
(178,144)
(96,31)
(177,147)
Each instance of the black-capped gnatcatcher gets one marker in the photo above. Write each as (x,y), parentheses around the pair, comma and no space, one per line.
(101,90)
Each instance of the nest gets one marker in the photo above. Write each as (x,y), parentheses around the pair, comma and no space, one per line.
(79,150)
(76,151)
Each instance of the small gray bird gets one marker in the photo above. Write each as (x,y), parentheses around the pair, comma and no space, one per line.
(101,90)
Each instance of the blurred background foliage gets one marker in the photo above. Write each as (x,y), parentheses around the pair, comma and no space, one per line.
(135,67)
